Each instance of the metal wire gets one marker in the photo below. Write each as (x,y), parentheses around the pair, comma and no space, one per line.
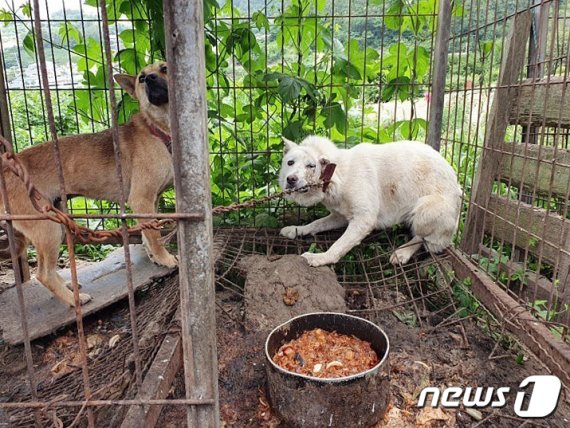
(532,272)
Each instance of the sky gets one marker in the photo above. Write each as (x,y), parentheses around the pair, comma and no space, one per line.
(54,5)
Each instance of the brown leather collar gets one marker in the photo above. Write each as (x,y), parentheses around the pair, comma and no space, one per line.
(326,175)
(160,134)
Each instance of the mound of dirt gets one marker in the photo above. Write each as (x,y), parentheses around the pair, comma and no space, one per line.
(279,288)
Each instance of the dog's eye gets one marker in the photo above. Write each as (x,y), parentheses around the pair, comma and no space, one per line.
(163,69)
(311,165)
(141,78)
(291,163)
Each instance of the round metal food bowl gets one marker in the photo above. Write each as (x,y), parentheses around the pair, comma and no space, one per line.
(299,400)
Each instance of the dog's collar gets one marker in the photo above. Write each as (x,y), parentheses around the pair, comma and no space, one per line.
(159,133)
(326,175)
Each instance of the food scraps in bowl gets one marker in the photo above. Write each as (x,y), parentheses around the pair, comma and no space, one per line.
(325,354)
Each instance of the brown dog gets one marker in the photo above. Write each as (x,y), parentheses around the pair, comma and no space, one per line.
(89,170)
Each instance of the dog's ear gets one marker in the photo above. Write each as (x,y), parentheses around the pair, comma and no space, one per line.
(287,145)
(324,162)
(127,82)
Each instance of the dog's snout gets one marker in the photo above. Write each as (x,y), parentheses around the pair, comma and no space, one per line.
(292,180)
(151,77)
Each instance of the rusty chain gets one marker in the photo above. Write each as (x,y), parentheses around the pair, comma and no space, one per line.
(83,234)
(252,203)
(86,235)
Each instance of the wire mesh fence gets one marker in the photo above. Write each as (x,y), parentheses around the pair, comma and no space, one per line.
(49,174)
(526,194)
(273,68)
(357,71)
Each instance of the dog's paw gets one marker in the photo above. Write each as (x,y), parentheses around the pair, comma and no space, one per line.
(69,285)
(84,298)
(291,232)
(169,260)
(316,260)
(400,256)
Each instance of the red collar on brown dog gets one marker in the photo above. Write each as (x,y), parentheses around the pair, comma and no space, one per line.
(159,133)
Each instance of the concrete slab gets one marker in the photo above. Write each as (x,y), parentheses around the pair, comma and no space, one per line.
(106,282)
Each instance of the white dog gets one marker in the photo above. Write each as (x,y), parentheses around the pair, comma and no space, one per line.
(373,187)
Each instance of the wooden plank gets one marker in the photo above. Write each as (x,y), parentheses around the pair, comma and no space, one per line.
(532,165)
(439,73)
(157,382)
(528,227)
(541,102)
(513,61)
(536,337)
(537,55)
(536,285)
(106,282)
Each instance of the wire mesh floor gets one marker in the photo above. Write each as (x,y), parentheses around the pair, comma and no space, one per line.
(372,283)
(110,363)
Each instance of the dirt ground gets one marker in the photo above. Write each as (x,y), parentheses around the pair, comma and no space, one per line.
(419,357)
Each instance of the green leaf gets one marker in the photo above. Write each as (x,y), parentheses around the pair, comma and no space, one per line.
(334,116)
(260,20)
(29,45)
(394,19)
(6,16)
(211,58)
(27,10)
(91,54)
(69,33)
(126,108)
(208,6)
(398,86)
(241,40)
(130,60)
(410,129)
(321,4)
(457,9)
(347,69)
(486,47)
(294,130)
(250,112)
(128,37)
(92,106)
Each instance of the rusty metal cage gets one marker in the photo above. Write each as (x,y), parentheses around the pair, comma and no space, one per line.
(194,229)
(482,81)
(506,129)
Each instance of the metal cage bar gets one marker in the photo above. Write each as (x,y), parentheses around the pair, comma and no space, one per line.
(188,122)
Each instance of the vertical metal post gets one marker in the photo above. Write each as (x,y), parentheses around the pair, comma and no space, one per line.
(535,70)
(5,131)
(536,56)
(4,115)
(188,123)
(439,73)
(538,37)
